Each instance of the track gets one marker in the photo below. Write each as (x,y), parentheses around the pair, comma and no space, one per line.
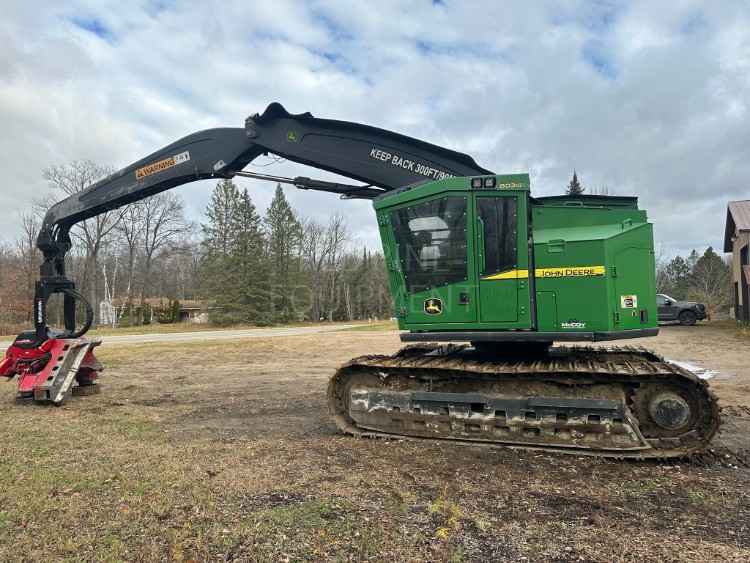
(611,402)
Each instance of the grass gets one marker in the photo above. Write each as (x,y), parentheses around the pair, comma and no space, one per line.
(157,328)
(235,459)
(730,325)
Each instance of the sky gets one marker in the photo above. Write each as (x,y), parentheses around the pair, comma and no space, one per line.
(640,98)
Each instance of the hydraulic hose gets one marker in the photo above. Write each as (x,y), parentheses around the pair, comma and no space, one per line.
(89,319)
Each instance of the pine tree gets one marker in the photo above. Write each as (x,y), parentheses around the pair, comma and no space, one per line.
(234,272)
(575,187)
(284,247)
(693,258)
(219,233)
(220,230)
(248,270)
(710,281)
(677,278)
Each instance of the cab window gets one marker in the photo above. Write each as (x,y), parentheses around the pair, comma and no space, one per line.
(431,238)
(499,223)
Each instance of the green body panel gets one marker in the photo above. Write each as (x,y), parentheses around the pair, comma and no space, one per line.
(459,258)
(506,301)
(620,241)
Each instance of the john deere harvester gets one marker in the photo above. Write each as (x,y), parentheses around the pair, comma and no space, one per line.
(484,277)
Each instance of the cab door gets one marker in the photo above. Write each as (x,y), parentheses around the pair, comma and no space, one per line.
(503,258)
(434,247)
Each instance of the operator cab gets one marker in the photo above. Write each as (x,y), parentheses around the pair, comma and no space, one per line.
(458,252)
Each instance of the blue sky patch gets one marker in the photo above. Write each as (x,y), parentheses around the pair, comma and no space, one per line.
(333,29)
(156,7)
(339,61)
(594,54)
(603,16)
(95,26)
(694,23)
(474,50)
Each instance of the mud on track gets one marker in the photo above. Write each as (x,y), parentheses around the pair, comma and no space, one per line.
(224,451)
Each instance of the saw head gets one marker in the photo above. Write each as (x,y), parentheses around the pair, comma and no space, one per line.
(49,372)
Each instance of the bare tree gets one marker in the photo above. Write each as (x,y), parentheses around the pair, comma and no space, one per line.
(710,282)
(27,250)
(322,248)
(130,229)
(14,307)
(73,178)
(661,262)
(177,273)
(314,255)
(336,238)
(163,223)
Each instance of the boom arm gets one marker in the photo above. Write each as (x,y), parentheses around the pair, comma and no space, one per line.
(382,159)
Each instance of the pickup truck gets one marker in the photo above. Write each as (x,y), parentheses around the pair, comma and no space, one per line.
(685,312)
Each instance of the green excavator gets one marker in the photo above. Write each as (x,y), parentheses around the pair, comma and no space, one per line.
(485,279)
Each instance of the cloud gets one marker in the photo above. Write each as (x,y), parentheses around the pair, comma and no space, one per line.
(644,98)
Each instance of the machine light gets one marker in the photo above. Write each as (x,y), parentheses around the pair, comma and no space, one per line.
(476,183)
(489,182)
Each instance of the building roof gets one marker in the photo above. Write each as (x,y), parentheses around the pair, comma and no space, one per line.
(738,220)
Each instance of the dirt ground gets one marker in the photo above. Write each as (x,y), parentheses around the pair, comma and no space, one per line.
(224,451)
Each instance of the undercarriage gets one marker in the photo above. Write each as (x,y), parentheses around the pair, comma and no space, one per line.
(611,402)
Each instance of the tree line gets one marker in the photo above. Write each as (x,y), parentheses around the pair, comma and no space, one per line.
(706,278)
(280,267)
(239,265)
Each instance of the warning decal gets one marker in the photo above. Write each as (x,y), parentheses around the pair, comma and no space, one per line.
(161,165)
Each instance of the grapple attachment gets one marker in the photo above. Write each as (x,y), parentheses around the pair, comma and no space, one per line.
(51,371)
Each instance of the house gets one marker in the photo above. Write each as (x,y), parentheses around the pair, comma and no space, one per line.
(737,241)
(195,314)
(190,311)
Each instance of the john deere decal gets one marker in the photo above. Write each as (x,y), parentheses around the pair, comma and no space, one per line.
(566,272)
(433,306)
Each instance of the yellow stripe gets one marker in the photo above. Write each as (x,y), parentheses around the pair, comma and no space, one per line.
(511,275)
(565,272)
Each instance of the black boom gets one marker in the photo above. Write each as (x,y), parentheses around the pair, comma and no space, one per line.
(382,159)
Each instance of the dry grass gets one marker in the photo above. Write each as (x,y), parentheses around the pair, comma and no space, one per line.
(220,451)
(377,326)
(732,326)
(157,328)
